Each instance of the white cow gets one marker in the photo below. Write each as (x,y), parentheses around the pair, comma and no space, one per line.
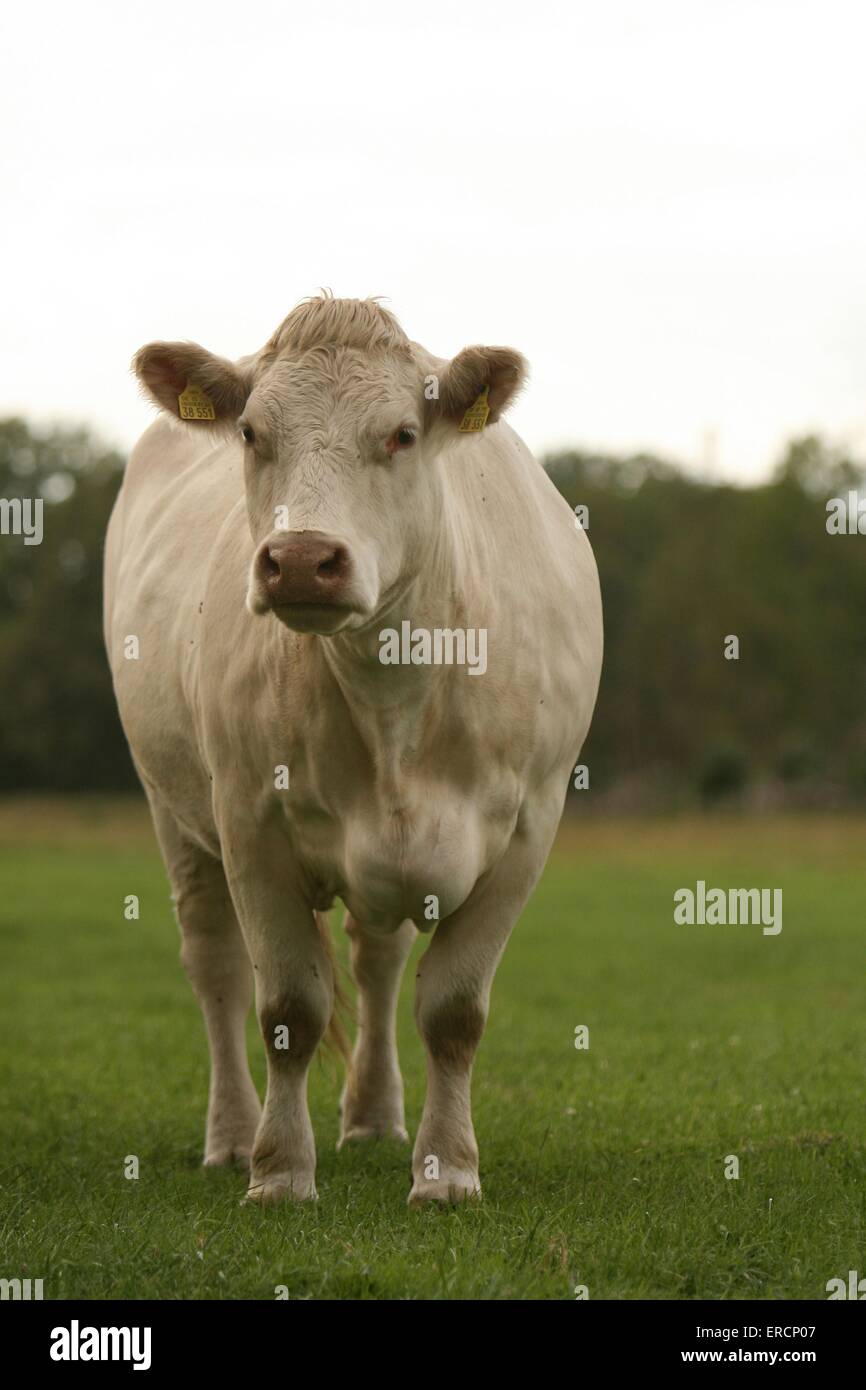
(288,571)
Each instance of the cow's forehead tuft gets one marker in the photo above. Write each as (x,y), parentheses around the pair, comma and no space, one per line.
(354,323)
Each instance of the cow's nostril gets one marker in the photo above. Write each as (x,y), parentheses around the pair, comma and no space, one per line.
(269,564)
(332,565)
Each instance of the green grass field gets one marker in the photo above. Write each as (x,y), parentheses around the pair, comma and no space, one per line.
(602,1167)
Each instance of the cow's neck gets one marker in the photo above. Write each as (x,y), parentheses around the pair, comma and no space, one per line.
(393,705)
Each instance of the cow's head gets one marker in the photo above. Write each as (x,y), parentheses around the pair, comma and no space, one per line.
(341,421)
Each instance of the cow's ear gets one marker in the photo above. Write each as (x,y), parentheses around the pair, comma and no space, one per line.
(190,383)
(499,371)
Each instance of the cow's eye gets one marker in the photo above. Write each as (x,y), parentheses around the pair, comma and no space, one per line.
(248,434)
(405,437)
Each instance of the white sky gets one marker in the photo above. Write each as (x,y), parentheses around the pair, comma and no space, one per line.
(663,205)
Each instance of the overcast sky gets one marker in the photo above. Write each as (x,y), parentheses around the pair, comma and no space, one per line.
(662,205)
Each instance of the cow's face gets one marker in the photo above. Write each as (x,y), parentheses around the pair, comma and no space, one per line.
(341,445)
(338,494)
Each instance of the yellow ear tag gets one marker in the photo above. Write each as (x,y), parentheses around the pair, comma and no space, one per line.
(476,416)
(195,404)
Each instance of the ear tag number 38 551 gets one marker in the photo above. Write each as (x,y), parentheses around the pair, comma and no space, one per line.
(195,404)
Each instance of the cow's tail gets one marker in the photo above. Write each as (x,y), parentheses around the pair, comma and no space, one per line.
(336,1036)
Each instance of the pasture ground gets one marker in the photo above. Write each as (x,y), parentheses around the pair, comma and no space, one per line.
(602,1167)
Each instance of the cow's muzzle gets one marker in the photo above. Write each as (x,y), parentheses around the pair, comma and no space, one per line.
(306,578)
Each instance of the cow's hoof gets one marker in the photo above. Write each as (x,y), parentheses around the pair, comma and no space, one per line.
(280,1187)
(357,1134)
(230,1156)
(456,1186)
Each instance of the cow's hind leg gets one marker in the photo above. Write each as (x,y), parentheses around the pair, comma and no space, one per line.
(372,1101)
(216,960)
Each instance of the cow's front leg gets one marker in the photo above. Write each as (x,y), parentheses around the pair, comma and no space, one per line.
(294,998)
(372,1103)
(216,961)
(455,976)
